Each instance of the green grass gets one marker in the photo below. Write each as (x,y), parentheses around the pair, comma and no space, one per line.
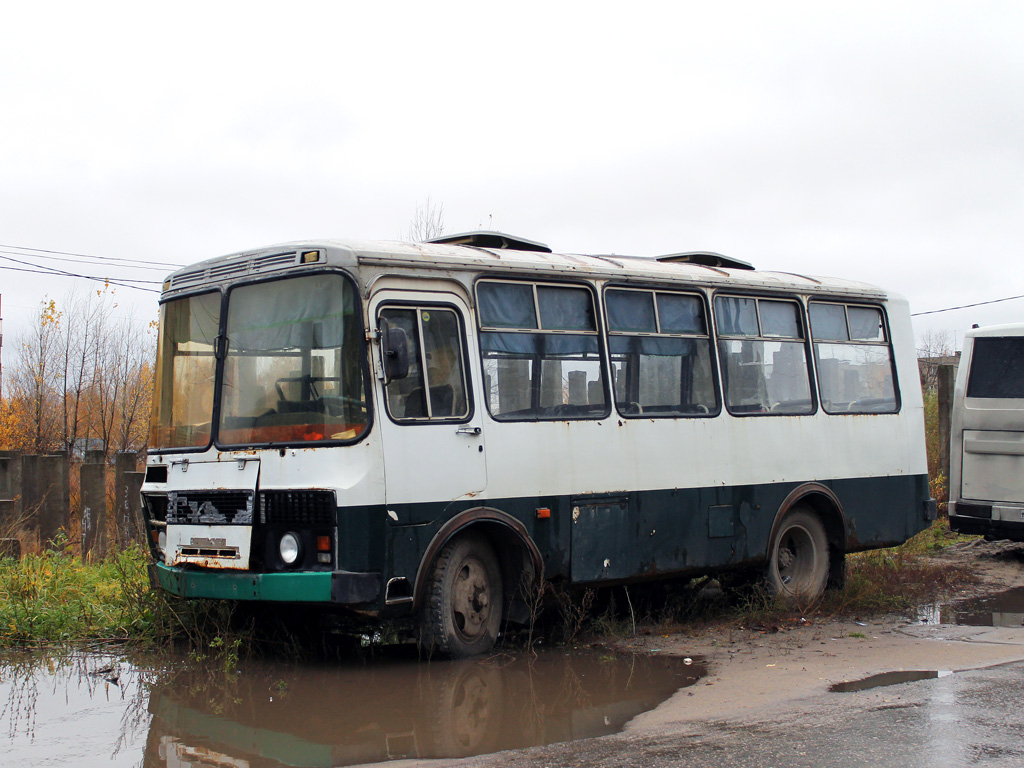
(53,598)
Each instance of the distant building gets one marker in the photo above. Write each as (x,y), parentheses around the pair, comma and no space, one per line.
(84,444)
(928,367)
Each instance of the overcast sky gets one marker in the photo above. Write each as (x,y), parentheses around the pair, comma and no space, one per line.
(881,142)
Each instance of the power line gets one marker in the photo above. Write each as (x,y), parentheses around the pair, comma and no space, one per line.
(965,306)
(33,267)
(122,282)
(85,260)
(87,256)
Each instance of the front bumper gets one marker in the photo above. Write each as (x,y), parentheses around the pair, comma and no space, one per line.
(332,587)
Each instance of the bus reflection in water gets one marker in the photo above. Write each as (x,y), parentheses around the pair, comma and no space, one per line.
(388,711)
(427,432)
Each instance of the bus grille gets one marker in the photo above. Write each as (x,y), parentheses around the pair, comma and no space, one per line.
(235,268)
(298,507)
(210,507)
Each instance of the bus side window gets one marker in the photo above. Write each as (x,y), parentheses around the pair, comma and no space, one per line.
(661,354)
(764,359)
(541,351)
(435,388)
(853,357)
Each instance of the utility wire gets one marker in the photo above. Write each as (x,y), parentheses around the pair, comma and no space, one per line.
(87,256)
(84,260)
(965,306)
(124,283)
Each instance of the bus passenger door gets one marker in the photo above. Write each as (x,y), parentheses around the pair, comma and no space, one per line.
(431,424)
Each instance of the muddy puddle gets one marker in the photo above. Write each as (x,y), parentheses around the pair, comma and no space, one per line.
(1003,609)
(888,678)
(94,709)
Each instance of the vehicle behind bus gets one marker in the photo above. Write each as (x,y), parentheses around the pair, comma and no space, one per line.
(986,483)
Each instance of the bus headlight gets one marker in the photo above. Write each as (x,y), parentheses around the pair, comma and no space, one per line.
(290,548)
(161,541)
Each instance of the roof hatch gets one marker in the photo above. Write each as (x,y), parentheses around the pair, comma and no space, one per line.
(706,259)
(488,239)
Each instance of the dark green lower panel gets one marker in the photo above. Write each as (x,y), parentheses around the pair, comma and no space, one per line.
(318,587)
(646,534)
(586,538)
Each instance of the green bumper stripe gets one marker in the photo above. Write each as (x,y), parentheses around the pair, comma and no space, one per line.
(242,585)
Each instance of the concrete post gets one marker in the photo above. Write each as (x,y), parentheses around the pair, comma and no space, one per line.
(946,382)
(93,481)
(126,499)
(10,492)
(32,492)
(53,489)
(513,385)
(134,528)
(577,388)
(65,487)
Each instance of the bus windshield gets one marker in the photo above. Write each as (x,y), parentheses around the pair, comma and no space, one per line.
(185,369)
(292,372)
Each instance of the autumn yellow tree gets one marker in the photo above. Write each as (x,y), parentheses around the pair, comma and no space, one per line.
(79,379)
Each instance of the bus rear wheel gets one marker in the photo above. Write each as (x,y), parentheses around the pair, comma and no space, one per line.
(799,560)
(462,607)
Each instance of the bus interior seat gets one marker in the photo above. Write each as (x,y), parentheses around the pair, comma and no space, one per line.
(442,399)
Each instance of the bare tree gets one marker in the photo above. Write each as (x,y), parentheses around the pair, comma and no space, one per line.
(935,348)
(79,376)
(935,344)
(82,341)
(427,223)
(32,406)
(123,386)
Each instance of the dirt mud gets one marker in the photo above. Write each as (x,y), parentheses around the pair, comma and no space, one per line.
(760,675)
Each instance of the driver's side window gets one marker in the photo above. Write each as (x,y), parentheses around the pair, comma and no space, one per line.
(435,387)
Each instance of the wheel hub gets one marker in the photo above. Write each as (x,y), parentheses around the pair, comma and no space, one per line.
(471,599)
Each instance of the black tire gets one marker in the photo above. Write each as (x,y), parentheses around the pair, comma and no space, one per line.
(798,564)
(462,606)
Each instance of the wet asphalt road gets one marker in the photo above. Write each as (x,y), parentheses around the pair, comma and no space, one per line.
(963,719)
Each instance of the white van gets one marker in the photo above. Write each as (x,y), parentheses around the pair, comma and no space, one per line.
(986,483)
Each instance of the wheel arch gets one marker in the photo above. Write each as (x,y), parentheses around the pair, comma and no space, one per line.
(518,556)
(826,505)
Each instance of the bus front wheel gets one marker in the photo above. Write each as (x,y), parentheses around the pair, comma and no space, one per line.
(462,607)
(798,565)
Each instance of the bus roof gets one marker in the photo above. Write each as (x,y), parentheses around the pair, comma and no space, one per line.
(371,258)
(1005,329)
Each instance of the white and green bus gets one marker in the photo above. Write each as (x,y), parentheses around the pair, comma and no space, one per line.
(429,431)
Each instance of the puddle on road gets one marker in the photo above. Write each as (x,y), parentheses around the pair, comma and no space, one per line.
(71,710)
(270,714)
(1005,609)
(887,678)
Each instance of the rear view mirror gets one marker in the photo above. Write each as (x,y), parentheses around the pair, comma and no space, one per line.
(394,352)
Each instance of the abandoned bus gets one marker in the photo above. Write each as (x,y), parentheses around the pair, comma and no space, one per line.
(430,431)
(986,457)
